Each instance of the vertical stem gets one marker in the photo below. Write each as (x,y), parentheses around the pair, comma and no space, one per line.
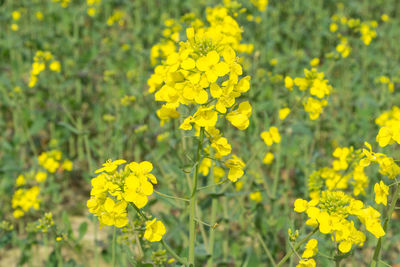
(277,169)
(192,205)
(396,195)
(96,251)
(113,245)
(214,206)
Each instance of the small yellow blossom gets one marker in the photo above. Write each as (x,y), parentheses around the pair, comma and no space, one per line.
(154,230)
(283,113)
(256,196)
(269,157)
(381,192)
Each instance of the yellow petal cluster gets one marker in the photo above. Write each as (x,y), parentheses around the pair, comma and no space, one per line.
(113,189)
(200,79)
(40,60)
(331,213)
(318,89)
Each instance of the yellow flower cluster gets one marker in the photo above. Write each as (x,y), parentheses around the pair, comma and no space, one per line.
(39,65)
(118,16)
(260,4)
(168,43)
(113,189)
(318,87)
(204,169)
(271,136)
(308,254)
(15,15)
(63,3)
(386,81)
(92,7)
(46,222)
(205,73)
(389,133)
(25,199)
(346,171)
(330,213)
(366,29)
(387,165)
(52,161)
(343,47)
(26,195)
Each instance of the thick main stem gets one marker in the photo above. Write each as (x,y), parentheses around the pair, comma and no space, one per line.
(377,251)
(193,198)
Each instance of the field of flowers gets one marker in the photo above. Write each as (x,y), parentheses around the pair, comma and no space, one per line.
(199,133)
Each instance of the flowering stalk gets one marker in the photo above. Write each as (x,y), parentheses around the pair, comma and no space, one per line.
(396,196)
(192,205)
(165,245)
(296,247)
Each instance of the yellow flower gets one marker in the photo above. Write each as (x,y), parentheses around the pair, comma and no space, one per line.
(205,165)
(39,15)
(283,113)
(235,165)
(137,190)
(16,15)
(14,27)
(384,17)
(222,147)
(273,62)
(20,180)
(306,263)
(110,166)
(67,165)
(269,157)
(55,66)
(206,117)
(272,136)
(314,62)
(300,205)
(40,177)
(142,170)
(384,136)
(289,83)
(333,27)
(240,117)
(154,230)
(370,218)
(311,249)
(256,196)
(114,213)
(239,185)
(212,67)
(381,192)
(218,173)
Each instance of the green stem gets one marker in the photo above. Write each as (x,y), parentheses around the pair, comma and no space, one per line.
(214,207)
(113,246)
(193,197)
(277,169)
(396,195)
(165,245)
(266,249)
(96,251)
(172,252)
(296,247)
